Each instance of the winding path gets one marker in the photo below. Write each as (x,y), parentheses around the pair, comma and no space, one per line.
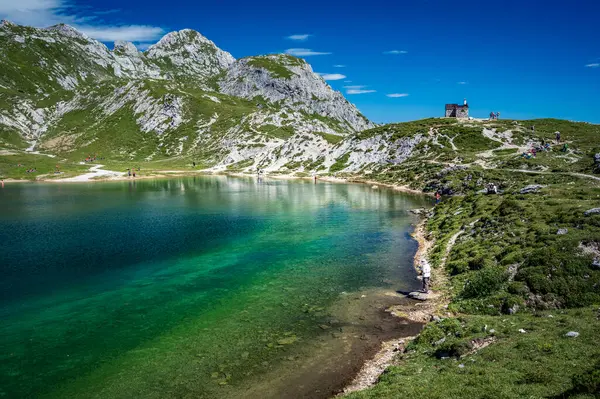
(95,172)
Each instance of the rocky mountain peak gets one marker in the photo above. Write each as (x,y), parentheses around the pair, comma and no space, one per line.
(123,47)
(287,80)
(67,30)
(190,53)
(6,23)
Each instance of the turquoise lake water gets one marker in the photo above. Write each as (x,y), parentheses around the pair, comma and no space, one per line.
(191,287)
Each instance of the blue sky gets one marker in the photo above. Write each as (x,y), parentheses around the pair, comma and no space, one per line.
(525,59)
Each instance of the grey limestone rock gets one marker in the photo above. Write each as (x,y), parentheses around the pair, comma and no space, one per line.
(532,188)
(592,211)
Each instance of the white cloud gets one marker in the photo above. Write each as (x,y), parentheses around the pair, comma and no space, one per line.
(359,91)
(339,66)
(303,52)
(594,65)
(347,81)
(395,52)
(461,83)
(333,76)
(355,87)
(397,95)
(299,38)
(44,13)
(132,33)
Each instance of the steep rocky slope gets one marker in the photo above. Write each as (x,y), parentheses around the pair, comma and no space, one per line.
(66,94)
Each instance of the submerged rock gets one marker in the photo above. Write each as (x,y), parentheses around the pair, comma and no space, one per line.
(287,340)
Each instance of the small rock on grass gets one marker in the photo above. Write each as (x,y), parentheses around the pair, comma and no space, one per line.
(522,331)
(591,211)
(532,188)
(572,334)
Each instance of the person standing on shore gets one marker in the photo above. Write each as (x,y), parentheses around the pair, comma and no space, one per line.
(426,274)
(2,183)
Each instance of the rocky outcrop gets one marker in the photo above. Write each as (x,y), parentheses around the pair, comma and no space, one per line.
(187,52)
(291,82)
(532,188)
(187,96)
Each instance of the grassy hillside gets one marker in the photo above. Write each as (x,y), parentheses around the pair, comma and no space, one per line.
(523,260)
(526,261)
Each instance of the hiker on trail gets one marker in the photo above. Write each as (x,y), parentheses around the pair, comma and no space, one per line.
(426,274)
(497,115)
(134,172)
(128,172)
(492,115)
(557,137)
(194,163)
(438,197)
(565,148)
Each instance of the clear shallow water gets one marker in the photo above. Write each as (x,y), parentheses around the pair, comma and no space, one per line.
(183,287)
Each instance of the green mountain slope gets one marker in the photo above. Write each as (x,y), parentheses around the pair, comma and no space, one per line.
(184,98)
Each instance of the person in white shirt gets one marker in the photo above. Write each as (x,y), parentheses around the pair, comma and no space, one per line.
(426,273)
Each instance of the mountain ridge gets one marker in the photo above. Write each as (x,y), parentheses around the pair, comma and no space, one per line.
(61,86)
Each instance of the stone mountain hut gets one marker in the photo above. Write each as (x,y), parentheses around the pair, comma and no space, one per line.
(457,111)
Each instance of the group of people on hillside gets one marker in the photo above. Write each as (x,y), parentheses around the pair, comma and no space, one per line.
(131,172)
(32,170)
(545,146)
(92,158)
(494,115)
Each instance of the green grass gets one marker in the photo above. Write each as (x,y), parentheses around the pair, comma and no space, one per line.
(340,163)
(539,363)
(11,139)
(273,65)
(279,132)
(10,169)
(331,138)
(508,259)
(505,151)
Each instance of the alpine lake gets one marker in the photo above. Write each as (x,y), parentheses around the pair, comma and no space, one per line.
(198,287)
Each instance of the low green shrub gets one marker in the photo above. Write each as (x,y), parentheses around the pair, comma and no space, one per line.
(484,282)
